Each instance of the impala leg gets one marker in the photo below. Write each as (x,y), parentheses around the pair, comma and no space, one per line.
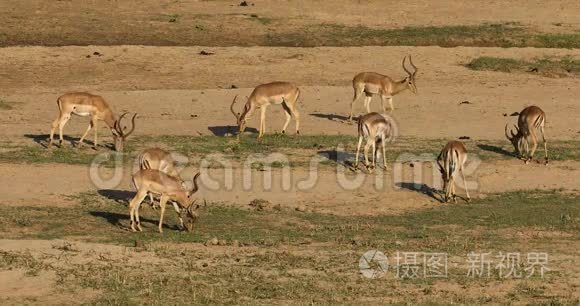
(366,151)
(374,146)
(545,144)
(288,117)
(360,140)
(296,115)
(152,201)
(262,121)
(453,191)
(357,93)
(527,149)
(141,194)
(162,203)
(368,103)
(82,140)
(384,155)
(96,142)
(137,208)
(52,129)
(391,106)
(61,125)
(178,211)
(383,98)
(534,145)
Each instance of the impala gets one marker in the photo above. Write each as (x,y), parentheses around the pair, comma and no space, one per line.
(372,84)
(530,119)
(451,161)
(265,95)
(375,128)
(169,188)
(87,105)
(158,159)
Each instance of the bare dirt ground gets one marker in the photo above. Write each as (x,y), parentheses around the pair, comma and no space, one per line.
(139,79)
(177,91)
(379,193)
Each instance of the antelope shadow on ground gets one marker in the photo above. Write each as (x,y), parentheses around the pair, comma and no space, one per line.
(495,149)
(228,129)
(421,188)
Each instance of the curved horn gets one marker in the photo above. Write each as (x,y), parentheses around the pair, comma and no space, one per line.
(132,126)
(118,126)
(405,68)
(195,185)
(232,108)
(506,132)
(414,67)
(189,208)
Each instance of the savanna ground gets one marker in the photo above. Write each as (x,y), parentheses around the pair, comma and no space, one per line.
(65,240)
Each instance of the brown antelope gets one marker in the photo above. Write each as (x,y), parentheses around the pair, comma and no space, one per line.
(265,95)
(530,119)
(158,159)
(375,128)
(451,161)
(87,105)
(169,188)
(372,84)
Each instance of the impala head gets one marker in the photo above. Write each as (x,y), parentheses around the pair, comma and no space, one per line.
(240,118)
(410,79)
(188,212)
(119,135)
(515,138)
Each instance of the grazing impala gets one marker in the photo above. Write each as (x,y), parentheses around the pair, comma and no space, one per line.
(372,84)
(265,95)
(158,159)
(530,119)
(451,161)
(375,128)
(87,105)
(169,188)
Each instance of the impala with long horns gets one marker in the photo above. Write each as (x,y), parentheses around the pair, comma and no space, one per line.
(169,188)
(265,95)
(375,128)
(529,120)
(451,161)
(371,84)
(88,105)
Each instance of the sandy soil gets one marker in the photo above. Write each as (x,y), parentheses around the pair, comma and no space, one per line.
(327,191)
(133,80)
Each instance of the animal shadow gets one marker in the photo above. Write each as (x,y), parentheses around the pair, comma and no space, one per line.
(228,129)
(43,139)
(495,149)
(341,158)
(119,196)
(422,188)
(117,219)
(332,117)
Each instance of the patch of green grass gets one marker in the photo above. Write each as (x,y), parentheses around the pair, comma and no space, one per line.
(484,35)
(66,155)
(5,105)
(298,149)
(544,66)
(318,260)
(442,227)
